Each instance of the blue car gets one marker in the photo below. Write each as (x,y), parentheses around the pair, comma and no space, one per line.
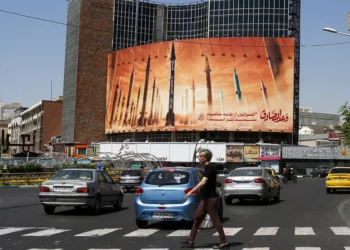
(161,196)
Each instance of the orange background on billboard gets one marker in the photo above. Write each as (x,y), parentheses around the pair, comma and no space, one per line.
(248,56)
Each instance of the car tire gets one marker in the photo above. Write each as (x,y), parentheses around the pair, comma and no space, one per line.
(241,199)
(49,209)
(312,175)
(267,200)
(118,204)
(329,190)
(97,206)
(228,201)
(319,176)
(142,224)
(278,196)
(128,190)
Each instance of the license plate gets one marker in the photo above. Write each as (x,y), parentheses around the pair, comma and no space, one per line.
(62,188)
(241,182)
(163,215)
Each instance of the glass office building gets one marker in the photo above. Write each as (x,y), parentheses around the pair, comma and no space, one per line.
(140,22)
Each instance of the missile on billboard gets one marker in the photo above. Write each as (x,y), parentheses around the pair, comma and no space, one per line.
(137,106)
(208,80)
(131,84)
(112,102)
(170,116)
(274,56)
(118,105)
(141,121)
(121,111)
(193,102)
(158,107)
(186,114)
(264,93)
(151,119)
(131,113)
(182,111)
(237,87)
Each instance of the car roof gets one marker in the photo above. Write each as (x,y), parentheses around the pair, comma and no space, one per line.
(81,169)
(249,168)
(178,168)
(342,167)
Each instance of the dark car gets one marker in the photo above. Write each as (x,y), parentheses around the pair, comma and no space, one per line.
(320,172)
(132,178)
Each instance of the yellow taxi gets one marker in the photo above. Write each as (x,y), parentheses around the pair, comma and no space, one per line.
(273,173)
(338,178)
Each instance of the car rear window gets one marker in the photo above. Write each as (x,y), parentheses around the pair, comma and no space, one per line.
(74,175)
(167,178)
(131,173)
(246,172)
(340,171)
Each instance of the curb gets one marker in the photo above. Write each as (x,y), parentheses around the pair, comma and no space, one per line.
(22,186)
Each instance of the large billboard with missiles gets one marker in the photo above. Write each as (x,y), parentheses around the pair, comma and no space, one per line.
(243,84)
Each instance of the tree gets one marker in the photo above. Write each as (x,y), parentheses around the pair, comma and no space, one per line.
(344,111)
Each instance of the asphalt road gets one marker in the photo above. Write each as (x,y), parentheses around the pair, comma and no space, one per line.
(322,219)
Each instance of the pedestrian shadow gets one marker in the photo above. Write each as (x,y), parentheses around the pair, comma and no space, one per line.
(87,212)
(210,245)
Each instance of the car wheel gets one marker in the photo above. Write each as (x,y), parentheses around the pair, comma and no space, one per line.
(118,204)
(128,190)
(267,200)
(49,209)
(228,201)
(278,196)
(141,223)
(96,208)
(312,176)
(319,176)
(329,190)
(77,209)
(241,199)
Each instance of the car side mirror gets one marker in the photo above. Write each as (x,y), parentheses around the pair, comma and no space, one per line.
(218,184)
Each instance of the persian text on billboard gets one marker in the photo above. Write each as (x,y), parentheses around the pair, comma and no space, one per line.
(234,153)
(197,84)
(251,153)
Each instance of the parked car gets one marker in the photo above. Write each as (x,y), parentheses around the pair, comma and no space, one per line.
(338,178)
(251,183)
(132,178)
(161,196)
(79,188)
(320,172)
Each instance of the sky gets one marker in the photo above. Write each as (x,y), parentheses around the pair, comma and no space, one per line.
(32,53)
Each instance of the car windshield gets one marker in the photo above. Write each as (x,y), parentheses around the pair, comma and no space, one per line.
(246,172)
(340,171)
(167,178)
(131,173)
(74,175)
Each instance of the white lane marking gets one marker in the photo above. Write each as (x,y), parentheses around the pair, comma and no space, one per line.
(257,248)
(12,230)
(203,248)
(341,230)
(304,231)
(141,233)
(97,232)
(179,233)
(45,249)
(230,231)
(154,248)
(104,249)
(347,248)
(266,231)
(307,248)
(47,232)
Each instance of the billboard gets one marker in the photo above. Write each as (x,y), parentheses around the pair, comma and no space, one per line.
(251,153)
(219,84)
(234,153)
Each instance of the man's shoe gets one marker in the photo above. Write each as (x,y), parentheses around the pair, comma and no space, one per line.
(188,243)
(222,246)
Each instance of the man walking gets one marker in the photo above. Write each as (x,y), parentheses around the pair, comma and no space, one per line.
(207,188)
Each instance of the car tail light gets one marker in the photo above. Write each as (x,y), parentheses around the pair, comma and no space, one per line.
(329,179)
(138,192)
(161,208)
(228,181)
(82,190)
(118,178)
(189,189)
(259,180)
(141,178)
(44,189)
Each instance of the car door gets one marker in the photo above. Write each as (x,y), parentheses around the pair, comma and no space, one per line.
(112,192)
(270,182)
(103,187)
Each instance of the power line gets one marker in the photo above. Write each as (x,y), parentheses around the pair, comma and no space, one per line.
(105,31)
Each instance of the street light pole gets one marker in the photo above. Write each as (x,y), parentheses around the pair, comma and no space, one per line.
(335,31)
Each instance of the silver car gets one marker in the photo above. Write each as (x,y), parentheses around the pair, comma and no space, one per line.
(80,187)
(131,178)
(251,183)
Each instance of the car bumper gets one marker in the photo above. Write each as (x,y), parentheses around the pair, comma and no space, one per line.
(246,193)
(182,212)
(130,185)
(54,200)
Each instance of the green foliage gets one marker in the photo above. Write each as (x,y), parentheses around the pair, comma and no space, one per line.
(344,111)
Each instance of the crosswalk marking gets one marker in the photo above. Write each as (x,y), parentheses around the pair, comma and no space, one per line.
(44,249)
(341,230)
(179,233)
(257,248)
(307,248)
(266,231)
(48,232)
(304,231)
(104,249)
(142,233)
(347,248)
(154,248)
(98,232)
(12,230)
(230,231)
